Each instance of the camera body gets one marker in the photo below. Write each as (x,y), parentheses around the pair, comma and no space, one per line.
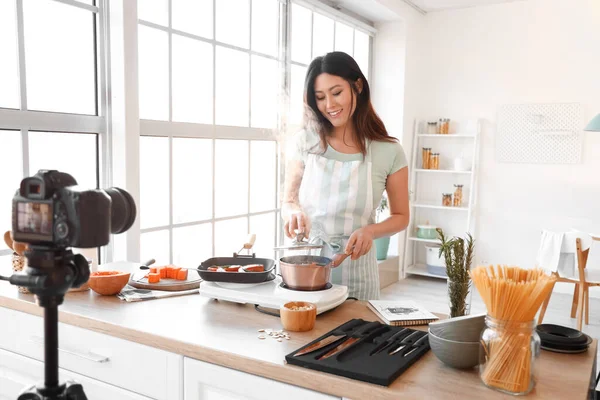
(49,209)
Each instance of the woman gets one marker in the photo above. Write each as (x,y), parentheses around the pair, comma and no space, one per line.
(337,169)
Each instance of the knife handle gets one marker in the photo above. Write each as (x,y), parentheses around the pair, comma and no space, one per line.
(365,329)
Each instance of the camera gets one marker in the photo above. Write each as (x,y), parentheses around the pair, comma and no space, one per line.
(50,209)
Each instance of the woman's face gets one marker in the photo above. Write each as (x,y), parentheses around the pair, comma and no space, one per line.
(334,98)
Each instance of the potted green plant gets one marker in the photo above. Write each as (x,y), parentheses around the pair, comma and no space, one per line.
(458,255)
(382,244)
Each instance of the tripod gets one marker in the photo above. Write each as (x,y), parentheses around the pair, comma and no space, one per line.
(50,273)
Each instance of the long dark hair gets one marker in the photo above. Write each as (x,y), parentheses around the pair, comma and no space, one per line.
(367,123)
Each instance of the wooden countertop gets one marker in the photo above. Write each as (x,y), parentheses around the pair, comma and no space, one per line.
(226,334)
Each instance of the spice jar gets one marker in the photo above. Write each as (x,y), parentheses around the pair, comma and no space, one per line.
(458,194)
(426,157)
(434,161)
(432,127)
(447,199)
(508,354)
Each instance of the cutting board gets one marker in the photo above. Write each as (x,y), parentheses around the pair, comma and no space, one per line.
(169,285)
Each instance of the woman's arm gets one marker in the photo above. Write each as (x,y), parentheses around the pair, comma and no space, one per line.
(291,212)
(397,190)
(396,186)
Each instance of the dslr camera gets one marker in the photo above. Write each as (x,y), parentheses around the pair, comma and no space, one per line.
(50,210)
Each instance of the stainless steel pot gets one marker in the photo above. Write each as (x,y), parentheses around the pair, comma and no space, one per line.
(308,272)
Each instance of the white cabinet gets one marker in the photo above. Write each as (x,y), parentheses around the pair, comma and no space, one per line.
(204,381)
(18,372)
(131,366)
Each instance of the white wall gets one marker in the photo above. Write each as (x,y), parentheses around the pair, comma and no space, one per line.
(472,60)
(395,57)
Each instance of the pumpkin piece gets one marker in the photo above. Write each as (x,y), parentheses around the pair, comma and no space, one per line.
(153,277)
(182,275)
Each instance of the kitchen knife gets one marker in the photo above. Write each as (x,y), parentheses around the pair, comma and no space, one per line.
(389,341)
(355,337)
(339,333)
(415,345)
(403,343)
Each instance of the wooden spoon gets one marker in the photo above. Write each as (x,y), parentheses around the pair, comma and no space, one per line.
(8,240)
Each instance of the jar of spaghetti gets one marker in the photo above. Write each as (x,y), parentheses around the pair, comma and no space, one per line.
(458,195)
(507,355)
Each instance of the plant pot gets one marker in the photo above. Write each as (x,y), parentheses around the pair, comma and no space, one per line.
(382,245)
(459,298)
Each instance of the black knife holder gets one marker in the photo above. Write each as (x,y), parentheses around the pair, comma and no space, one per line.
(356,361)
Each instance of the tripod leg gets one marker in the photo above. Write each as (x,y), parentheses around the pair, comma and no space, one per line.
(51,347)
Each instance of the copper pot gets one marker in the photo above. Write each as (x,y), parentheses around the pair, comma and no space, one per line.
(308,272)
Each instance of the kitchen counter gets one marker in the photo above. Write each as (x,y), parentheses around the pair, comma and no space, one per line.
(226,334)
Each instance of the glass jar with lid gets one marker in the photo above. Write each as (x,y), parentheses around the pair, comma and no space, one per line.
(447,199)
(432,127)
(458,195)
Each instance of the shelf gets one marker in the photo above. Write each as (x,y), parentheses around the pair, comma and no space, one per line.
(420,269)
(417,239)
(422,204)
(443,171)
(450,135)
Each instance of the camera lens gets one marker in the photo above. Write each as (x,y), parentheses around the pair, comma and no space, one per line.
(123,210)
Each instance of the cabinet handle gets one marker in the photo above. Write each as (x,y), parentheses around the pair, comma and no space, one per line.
(89,356)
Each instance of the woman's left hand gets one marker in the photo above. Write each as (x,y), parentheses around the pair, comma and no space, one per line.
(362,241)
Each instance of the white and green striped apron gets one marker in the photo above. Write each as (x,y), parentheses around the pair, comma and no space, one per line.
(337,196)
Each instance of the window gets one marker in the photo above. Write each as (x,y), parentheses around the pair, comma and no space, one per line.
(52,112)
(314,34)
(209,83)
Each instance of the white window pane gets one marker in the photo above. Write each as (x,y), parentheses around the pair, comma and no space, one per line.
(361,51)
(232,87)
(73,153)
(322,35)
(301,34)
(11,166)
(265,26)
(264,91)
(233,22)
(230,236)
(193,16)
(192,80)
(263,175)
(263,226)
(192,192)
(192,245)
(59,57)
(156,11)
(153,67)
(9,67)
(297,94)
(344,38)
(154,181)
(155,245)
(231,177)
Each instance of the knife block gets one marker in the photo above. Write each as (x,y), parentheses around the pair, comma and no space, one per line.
(356,361)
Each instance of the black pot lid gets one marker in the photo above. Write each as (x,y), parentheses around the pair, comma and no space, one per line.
(562,336)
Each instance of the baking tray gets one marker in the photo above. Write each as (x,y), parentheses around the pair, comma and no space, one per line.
(236,277)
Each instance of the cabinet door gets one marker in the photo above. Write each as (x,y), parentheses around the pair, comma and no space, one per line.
(204,381)
(18,372)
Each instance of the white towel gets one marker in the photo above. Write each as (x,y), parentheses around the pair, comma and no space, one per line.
(548,256)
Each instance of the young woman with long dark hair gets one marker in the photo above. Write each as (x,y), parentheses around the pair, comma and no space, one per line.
(337,169)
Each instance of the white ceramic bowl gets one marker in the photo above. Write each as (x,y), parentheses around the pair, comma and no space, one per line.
(455,354)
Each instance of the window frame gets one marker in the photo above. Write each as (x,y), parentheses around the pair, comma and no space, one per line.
(24,120)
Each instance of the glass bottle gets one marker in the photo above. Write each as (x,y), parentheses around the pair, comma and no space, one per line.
(432,127)
(426,157)
(458,194)
(447,199)
(507,356)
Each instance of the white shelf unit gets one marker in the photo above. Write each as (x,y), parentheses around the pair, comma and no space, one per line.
(427,186)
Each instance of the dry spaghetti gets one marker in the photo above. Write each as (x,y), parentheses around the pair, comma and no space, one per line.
(512,296)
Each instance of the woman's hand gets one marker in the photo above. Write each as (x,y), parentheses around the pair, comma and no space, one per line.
(296,221)
(362,241)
